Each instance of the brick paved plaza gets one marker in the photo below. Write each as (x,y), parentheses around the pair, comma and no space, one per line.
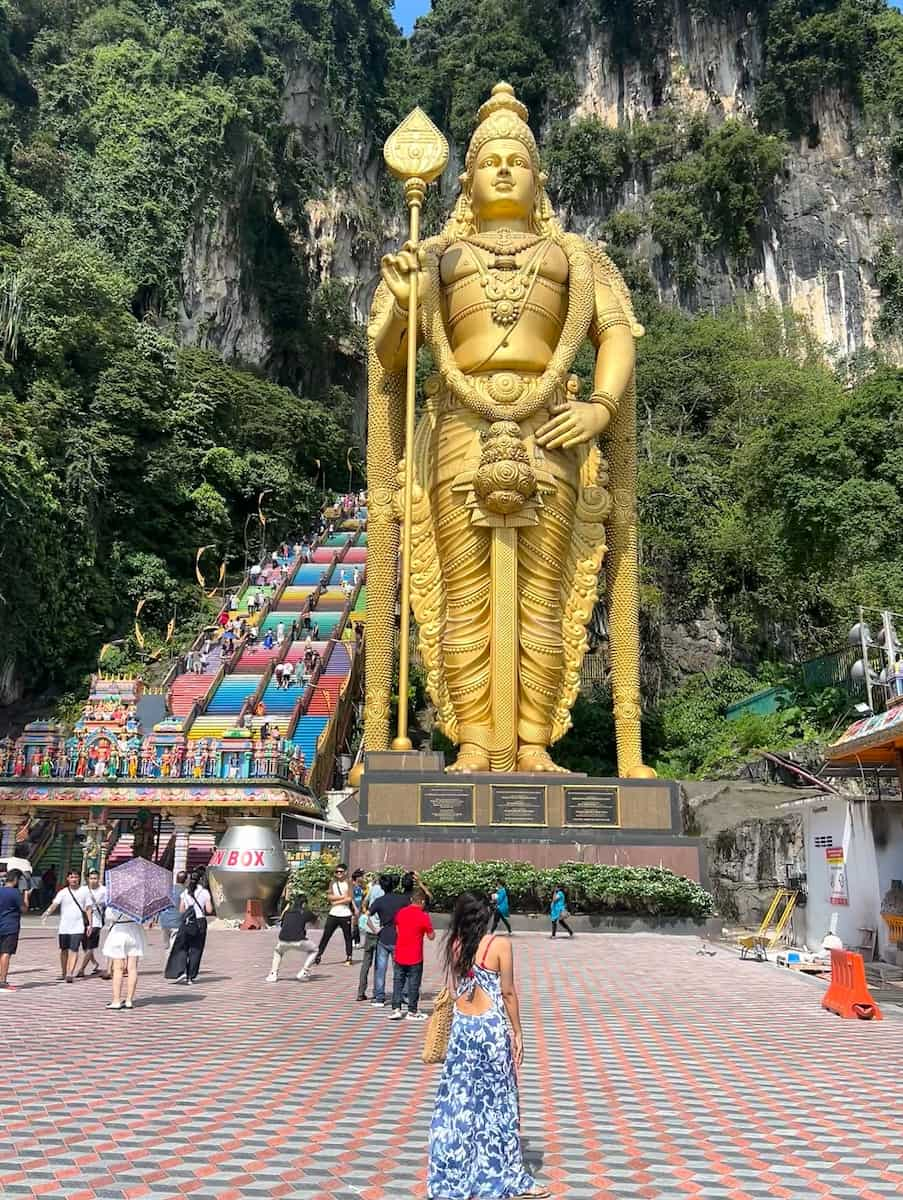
(650,1072)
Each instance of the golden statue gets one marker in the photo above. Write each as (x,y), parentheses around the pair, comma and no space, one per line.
(511,495)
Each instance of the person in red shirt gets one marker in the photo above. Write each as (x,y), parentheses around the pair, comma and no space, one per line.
(412,925)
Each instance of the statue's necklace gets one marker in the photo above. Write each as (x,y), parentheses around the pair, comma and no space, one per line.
(504,241)
(507,286)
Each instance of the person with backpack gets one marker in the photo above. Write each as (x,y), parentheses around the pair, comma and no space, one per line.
(296,917)
(369,926)
(195,905)
(357,900)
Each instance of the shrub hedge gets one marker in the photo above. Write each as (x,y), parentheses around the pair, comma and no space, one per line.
(643,891)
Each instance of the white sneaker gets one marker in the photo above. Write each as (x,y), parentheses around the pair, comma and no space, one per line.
(396,1015)
(305,975)
(272,977)
(377,1004)
(417,1016)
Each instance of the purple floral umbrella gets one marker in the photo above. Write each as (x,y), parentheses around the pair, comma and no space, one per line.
(139,889)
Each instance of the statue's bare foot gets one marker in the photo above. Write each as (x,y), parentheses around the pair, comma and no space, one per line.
(471,758)
(536,758)
(640,771)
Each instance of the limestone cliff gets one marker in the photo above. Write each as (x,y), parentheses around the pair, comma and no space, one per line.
(823,220)
(815,249)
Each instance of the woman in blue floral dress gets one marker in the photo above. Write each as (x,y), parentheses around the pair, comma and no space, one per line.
(475,1151)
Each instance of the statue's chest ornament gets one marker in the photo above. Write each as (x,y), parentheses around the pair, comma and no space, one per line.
(507,286)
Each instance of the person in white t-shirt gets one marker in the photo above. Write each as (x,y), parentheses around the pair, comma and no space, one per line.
(91,939)
(341,911)
(195,905)
(74,905)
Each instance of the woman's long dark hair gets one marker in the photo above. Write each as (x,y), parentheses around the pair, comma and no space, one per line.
(469,922)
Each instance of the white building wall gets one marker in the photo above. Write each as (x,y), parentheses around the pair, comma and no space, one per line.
(887,826)
(836,821)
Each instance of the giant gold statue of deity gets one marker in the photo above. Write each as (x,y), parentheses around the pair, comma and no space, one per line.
(513,508)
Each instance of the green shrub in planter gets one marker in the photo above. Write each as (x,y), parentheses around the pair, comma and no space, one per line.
(644,891)
(447,880)
(311,879)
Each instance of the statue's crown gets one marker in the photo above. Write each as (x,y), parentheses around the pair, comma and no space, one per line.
(502,116)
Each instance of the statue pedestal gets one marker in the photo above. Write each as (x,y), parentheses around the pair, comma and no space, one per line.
(413,814)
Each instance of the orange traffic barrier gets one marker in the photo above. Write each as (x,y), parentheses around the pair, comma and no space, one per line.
(848,994)
(254,918)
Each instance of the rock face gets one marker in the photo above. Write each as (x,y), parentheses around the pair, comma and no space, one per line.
(220,309)
(750,845)
(821,227)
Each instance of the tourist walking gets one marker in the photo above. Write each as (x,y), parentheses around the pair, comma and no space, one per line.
(412,925)
(91,939)
(12,903)
(74,905)
(500,907)
(357,900)
(296,917)
(339,917)
(474,1145)
(369,929)
(559,911)
(187,951)
(125,944)
(171,918)
(385,909)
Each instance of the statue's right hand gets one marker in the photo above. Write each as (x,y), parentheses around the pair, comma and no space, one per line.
(397,270)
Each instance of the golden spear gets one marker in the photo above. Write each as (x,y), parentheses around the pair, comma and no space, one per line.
(416,153)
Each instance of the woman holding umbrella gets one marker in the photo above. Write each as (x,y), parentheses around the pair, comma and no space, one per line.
(125,944)
(137,891)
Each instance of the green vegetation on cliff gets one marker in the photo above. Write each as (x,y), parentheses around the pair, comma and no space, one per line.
(138,136)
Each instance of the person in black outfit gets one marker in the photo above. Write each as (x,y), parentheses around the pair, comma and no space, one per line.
(385,910)
(293,934)
(195,905)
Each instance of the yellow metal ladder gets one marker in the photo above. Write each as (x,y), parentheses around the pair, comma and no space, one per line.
(760,942)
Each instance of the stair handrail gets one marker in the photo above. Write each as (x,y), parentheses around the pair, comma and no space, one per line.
(254,699)
(318,775)
(211,691)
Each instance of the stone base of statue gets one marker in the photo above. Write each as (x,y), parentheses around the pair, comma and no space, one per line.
(415,815)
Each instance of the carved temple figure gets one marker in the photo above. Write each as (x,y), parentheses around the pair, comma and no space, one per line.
(515,508)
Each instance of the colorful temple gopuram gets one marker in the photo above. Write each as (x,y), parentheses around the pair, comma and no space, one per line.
(157,771)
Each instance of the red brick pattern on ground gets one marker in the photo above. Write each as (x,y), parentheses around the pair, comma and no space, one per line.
(651,1073)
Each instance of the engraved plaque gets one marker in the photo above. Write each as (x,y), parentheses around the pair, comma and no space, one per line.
(446,803)
(592,806)
(519,804)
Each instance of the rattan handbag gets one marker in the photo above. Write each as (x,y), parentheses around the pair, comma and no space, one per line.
(438,1028)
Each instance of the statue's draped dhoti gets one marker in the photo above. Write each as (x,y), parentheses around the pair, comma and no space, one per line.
(492,595)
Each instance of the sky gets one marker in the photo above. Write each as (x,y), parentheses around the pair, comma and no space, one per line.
(407,11)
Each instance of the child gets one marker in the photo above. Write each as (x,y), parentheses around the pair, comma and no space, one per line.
(296,917)
(412,924)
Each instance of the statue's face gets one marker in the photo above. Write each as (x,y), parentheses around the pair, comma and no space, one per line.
(503,183)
